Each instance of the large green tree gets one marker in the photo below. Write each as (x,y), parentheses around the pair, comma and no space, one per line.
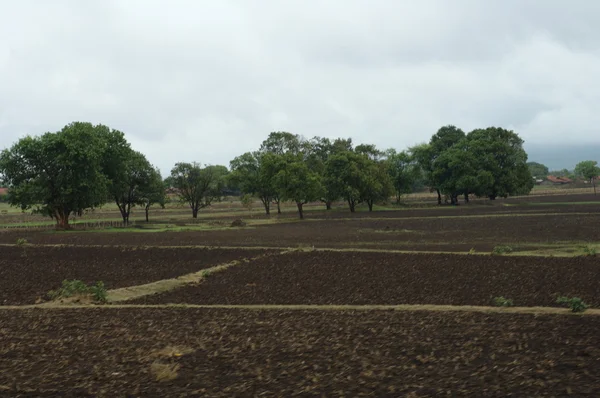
(296,182)
(58,174)
(427,154)
(253,174)
(589,170)
(500,153)
(198,187)
(129,181)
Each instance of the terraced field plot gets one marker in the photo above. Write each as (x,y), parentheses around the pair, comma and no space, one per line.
(387,303)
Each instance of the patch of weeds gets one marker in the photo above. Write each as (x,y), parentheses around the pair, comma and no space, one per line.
(472,251)
(77,288)
(574,303)
(22,242)
(589,251)
(502,250)
(164,371)
(502,302)
(206,273)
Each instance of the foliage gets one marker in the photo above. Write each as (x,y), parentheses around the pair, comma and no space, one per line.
(574,303)
(58,174)
(502,250)
(71,288)
(247,201)
(130,182)
(502,302)
(404,171)
(589,170)
(589,251)
(153,192)
(538,170)
(296,182)
(253,174)
(198,186)
(281,142)
(22,242)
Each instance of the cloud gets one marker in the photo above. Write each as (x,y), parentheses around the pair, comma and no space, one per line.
(207,81)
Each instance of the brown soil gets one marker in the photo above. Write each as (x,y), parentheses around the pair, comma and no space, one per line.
(29,273)
(388,278)
(226,353)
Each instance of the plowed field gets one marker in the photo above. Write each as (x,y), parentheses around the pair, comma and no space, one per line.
(386,278)
(27,274)
(225,353)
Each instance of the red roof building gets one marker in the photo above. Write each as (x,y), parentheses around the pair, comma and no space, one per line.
(3,191)
(559,180)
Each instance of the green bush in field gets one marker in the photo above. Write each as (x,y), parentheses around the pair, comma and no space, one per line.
(589,251)
(574,303)
(71,288)
(502,302)
(502,250)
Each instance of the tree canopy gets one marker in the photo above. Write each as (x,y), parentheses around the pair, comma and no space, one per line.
(62,173)
(589,170)
(198,187)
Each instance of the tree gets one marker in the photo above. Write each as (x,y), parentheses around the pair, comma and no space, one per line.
(426,154)
(403,170)
(128,182)
(589,170)
(281,142)
(538,170)
(153,192)
(296,182)
(500,153)
(197,186)
(356,178)
(58,174)
(317,152)
(252,174)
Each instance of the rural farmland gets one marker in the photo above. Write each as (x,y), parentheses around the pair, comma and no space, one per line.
(401,301)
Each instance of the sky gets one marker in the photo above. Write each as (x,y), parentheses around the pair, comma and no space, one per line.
(206,80)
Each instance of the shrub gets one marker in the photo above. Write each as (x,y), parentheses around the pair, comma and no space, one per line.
(502,302)
(472,251)
(22,242)
(72,288)
(574,303)
(589,251)
(205,274)
(502,250)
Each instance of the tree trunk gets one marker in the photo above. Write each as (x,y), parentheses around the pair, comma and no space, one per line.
(300,211)
(62,219)
(492,196)
(267,203)
(195,212)
(466,197)
(147,211)
(370,204)
(439,196)
(352,205)
(278,207)
(328,204)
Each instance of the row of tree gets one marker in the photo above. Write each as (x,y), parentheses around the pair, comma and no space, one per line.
(84,166)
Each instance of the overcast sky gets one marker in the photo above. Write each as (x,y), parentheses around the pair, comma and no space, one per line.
(207,80)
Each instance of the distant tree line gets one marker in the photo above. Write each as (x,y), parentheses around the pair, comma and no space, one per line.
(84,166)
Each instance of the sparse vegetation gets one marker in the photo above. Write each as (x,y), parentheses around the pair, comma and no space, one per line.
(502,302)
(574,303)
(164,371)
(76,288)
(502,250)
(589,250)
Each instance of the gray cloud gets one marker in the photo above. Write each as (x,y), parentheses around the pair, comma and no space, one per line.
(206,81)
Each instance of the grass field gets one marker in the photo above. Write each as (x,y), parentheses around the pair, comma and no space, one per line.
(398,302)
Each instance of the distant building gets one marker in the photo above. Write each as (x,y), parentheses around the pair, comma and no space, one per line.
(558,180)
(3,191)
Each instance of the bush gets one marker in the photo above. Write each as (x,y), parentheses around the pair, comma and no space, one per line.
(574,303)
(502,250)
(73,288)
(502,302)
(589,251)
(22,242)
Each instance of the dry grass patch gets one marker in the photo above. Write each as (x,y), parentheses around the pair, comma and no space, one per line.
(164,371)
